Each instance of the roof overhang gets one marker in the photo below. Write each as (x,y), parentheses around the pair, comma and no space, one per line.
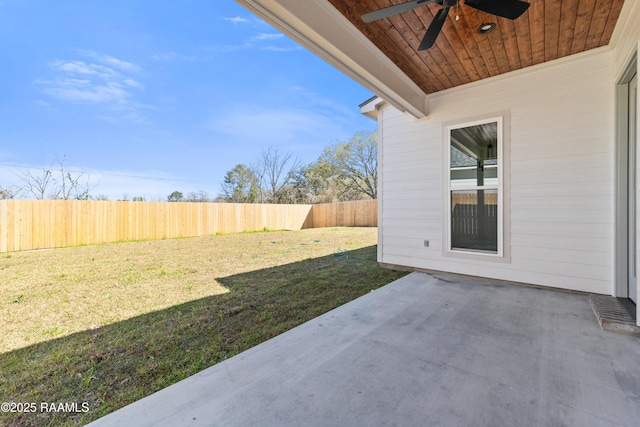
(319,27)
(371,106)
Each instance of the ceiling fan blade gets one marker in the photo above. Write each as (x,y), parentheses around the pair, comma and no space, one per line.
(511,9)
(434,29)
(394,10)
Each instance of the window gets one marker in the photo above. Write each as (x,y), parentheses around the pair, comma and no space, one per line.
(475,187)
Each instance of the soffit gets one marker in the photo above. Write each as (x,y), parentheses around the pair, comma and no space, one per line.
(550,29)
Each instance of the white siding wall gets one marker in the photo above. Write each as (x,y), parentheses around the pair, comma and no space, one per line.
(560,175)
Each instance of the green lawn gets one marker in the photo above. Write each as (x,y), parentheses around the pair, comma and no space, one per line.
(102,326)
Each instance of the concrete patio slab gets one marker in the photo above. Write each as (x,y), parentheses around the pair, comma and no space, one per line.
(424,350)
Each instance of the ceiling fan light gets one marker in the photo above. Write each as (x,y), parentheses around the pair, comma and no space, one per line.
(486,28)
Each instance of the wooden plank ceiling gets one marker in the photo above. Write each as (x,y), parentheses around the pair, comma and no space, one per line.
(548,30)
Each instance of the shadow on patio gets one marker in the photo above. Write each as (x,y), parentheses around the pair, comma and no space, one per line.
(424,350)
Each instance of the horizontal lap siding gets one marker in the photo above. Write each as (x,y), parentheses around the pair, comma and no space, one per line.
(560,183)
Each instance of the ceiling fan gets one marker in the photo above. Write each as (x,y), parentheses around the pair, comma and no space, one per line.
(511,9)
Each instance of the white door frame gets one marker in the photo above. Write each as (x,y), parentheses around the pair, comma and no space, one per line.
(632,276)
(622,180)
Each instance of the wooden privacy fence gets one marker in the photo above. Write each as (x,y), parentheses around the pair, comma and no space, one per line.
(359,213)
(39,224)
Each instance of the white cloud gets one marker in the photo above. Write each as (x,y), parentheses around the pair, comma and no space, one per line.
(257,44)
(276,125)
(165,56)
(276,42)
(111,61)
(86,92)
(81,67)
(122,65)
(172,56)
(229,48)
(291,117)
(237,20)
(256,41)
(126,116)
(106,81)
(281,49)
(319,102)
(131,83)
(267,36)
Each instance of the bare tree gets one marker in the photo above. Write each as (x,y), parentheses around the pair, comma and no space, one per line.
(57,183)
(37,183)
(69,185)
(275,171)
(197,197)
(84,193)
(10,192)
(258,172)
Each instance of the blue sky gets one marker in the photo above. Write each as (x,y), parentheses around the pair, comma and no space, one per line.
(148,97)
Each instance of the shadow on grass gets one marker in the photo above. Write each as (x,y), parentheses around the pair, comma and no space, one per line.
(98,371)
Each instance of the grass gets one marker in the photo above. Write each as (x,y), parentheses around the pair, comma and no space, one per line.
(106,325)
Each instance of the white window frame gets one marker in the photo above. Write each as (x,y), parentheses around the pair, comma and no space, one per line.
(501,254)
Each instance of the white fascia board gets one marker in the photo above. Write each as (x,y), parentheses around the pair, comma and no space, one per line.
(319,27)
(370,108)
(624,21)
